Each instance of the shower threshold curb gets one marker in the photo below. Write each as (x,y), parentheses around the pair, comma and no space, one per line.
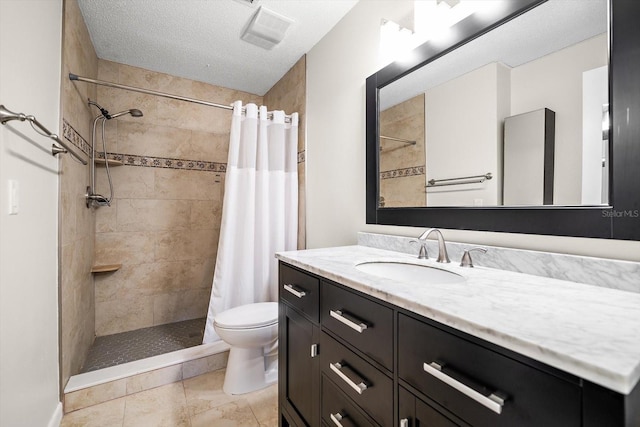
(99,386)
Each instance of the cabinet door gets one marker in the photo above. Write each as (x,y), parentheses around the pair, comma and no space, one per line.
(299,367)
(413,412)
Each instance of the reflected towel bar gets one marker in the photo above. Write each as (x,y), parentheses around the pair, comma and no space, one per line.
(7,115)
(392,138)
(474,179)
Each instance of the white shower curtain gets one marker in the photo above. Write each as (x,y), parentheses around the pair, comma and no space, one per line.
(259,211)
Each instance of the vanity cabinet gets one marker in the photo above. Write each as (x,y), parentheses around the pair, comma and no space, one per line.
(298,339)
(349,359)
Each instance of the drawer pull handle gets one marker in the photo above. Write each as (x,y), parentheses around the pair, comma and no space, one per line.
(337,314)
(358,385)
(336,418)
(314,350)
(495,401)
(404,422)
(294,291)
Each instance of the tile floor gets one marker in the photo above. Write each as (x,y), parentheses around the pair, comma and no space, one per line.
(194,402)
(111,350)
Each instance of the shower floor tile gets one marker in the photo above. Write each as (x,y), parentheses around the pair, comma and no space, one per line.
(112,350)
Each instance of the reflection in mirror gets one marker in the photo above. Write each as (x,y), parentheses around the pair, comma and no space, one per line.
(552,58)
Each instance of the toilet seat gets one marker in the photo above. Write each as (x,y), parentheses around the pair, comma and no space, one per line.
(249,316)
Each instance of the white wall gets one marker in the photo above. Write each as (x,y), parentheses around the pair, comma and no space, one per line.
(555,82)
(464,116)
(336,71)
(30,55)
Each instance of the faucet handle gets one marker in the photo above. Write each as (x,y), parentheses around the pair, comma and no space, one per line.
(423,249)
(466,256)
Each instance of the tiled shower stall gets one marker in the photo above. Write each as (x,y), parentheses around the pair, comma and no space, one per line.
(163,224)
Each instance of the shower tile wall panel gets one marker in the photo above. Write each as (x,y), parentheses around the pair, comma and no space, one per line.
(77,223)
(290,95)
(402,180)
(164,223)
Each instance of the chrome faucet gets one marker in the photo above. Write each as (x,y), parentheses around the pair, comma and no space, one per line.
(442,247)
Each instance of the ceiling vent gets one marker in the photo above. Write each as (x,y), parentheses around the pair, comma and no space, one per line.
(266,28)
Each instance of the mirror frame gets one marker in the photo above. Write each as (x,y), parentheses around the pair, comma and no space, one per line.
(619,220)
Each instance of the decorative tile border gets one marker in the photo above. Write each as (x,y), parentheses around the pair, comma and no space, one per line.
(71,135)
(76,139)
(165,162)
(399,173)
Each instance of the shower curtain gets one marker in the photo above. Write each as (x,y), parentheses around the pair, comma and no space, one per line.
(259,211)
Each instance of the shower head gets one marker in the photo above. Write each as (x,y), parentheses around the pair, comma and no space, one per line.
(134,113)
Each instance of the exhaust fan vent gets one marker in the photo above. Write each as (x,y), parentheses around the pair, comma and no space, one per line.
(266,28)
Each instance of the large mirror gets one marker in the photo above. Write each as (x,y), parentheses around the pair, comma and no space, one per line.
(506,126)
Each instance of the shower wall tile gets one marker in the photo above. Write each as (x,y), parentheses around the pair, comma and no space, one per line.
(76,222)
(206,213)
(128,182)
(183,306)
(190,185)
(212,146)
(107,219)
(123,315)
(189,245)
(154,278)
(158,140)
(152,215)
(120,247)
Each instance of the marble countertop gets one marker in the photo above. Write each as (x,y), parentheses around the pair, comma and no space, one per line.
(588,331)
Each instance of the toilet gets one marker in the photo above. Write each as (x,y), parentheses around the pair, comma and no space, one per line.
(252,332)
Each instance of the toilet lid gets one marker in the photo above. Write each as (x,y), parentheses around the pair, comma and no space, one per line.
(248,316)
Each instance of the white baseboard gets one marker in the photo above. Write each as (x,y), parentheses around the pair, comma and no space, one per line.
(56,417)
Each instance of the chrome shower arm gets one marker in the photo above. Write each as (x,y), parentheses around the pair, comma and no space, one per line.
(7,116)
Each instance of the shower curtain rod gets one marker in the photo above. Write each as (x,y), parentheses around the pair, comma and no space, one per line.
(287,118)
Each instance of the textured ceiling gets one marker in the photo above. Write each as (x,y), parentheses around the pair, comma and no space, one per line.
(545,29)
(200,39)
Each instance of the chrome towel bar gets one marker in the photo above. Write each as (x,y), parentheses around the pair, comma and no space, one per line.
(61,147)
(474,179)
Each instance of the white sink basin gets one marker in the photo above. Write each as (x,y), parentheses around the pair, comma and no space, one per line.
(409,273)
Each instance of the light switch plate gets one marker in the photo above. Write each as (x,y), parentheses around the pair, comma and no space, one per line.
(14,197)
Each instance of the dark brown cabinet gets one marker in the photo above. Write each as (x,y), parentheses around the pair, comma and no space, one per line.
(299,336)
(348,359)
(481,386)
(413,412)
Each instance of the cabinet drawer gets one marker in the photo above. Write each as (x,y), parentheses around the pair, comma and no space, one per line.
(338,411)
(352,373)
(366,325)
(470,373)
(301,290)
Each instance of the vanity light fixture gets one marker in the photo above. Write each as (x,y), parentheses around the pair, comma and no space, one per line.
(266,28)
(432,20)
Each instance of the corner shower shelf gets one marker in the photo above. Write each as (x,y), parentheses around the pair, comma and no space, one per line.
(101,162)
(108,268)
